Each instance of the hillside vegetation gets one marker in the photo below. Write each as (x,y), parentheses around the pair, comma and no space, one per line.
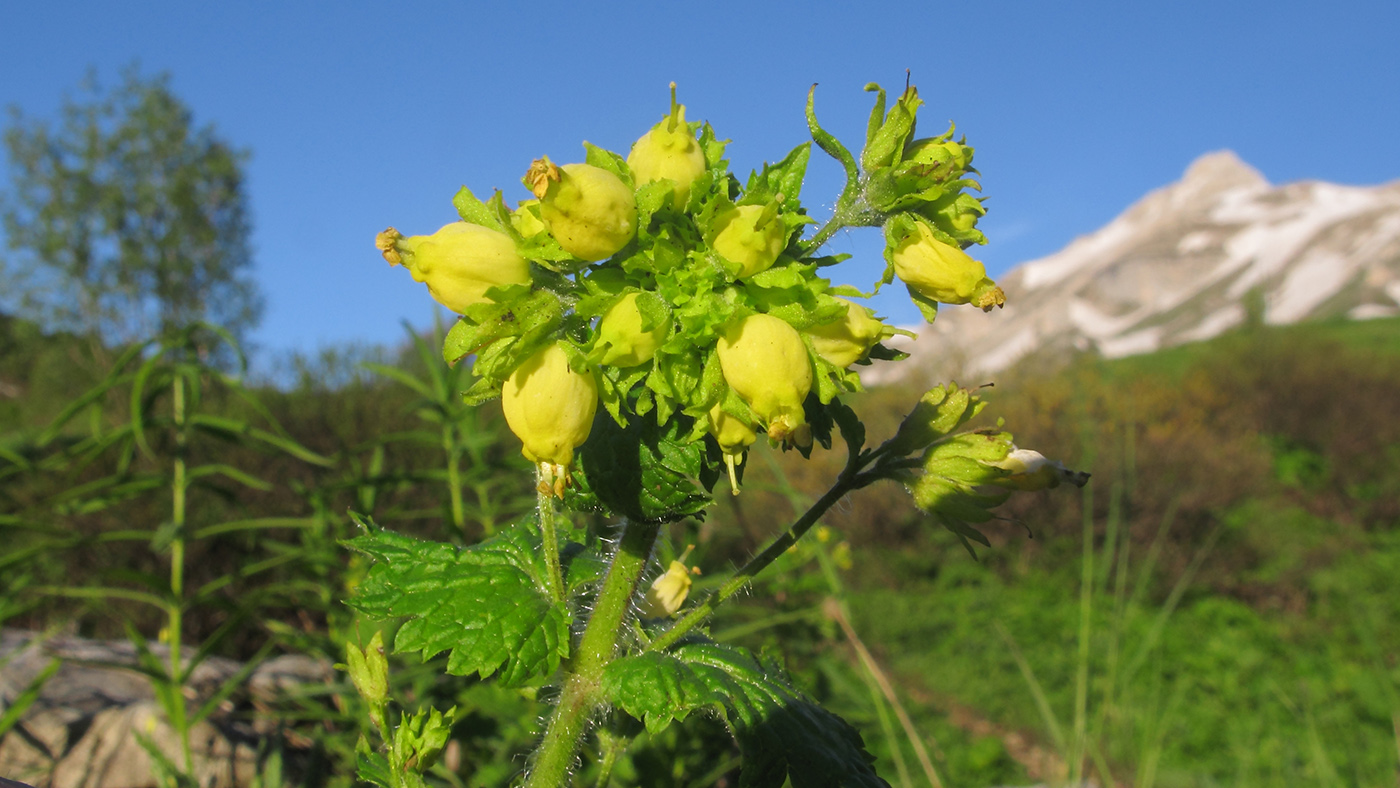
(1217,607)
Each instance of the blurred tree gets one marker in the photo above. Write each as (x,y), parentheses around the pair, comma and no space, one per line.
(124,218)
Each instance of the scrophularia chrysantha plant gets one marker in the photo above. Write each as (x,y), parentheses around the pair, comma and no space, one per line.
(691,306)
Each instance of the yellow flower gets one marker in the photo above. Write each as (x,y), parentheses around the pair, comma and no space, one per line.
(668,592)
(588,210)
(550,408)
(458,263)
(1030,470)
(752,236)
(764,361)
(943,272)
(734,437)
(846,341)
(669,151)
(620,331)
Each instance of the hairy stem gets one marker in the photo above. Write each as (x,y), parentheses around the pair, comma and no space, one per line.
(840,220)
(580,698)
(549,538)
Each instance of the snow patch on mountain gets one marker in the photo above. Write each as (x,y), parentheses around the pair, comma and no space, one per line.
(1178,264)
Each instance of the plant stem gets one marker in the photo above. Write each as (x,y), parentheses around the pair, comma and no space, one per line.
(452,447)
(175,611)
(697,615)
(580,699)
(612,745)
(840,219)
(549,536)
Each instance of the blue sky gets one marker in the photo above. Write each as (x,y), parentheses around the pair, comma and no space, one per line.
(363,115)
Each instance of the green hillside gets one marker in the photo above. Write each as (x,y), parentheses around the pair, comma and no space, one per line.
(1217,607)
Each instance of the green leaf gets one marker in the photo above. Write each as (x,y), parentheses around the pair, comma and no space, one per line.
(927,306)
(474,211)
(607,160)
(714,149)
(21,702)
(641,471)
(782,733)
(784,178)
(827,142)
(485,604)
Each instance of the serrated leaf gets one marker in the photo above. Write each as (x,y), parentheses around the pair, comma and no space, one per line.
(713,148)
(784,177)
(782,734)
(484,604)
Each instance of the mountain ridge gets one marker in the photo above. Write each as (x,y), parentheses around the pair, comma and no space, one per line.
(1179,264)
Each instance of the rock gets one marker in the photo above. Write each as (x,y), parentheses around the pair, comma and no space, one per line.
(86,726)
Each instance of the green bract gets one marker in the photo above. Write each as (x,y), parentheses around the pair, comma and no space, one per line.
(939,154)
(458,263)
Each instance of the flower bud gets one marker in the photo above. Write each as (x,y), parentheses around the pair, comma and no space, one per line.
(846,341)
(369,670)
(764,361)
(887,137)
(526,218)
(752,236)
(627,343)
(459,262)
(942,272)
(588,210)
(550,408)
(941,154)
(955,214)
(669,151)
(668,592)
(734,437)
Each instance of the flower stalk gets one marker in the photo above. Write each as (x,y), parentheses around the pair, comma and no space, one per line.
(581,697)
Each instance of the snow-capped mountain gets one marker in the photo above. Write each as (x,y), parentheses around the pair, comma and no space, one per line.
(1178,265)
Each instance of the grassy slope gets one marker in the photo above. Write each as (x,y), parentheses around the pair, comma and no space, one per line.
(1278,662)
